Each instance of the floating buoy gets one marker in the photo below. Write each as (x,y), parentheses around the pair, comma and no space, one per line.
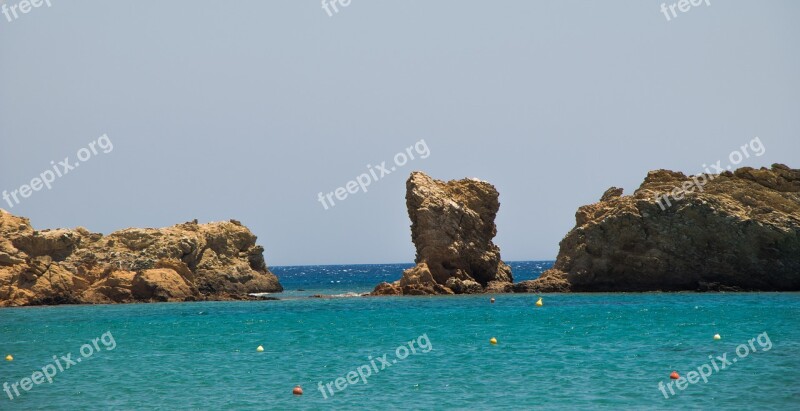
(492,301)
(539,303)
(260,348)
(9,357)
(493,340)
(674,375)
(297,390)
(717,337)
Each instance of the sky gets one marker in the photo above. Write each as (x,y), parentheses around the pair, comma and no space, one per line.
(248,110)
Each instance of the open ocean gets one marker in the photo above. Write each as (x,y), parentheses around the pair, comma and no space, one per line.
(577,351)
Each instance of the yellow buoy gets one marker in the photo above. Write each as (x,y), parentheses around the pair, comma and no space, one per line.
(493,340)
(717,337)
(260,348)
(9,357)
(539,303)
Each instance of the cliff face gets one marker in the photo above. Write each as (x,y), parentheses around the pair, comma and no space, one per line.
(185,262)
(452,227)
(733,231)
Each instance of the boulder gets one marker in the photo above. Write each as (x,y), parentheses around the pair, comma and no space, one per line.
(161,284)
(549,282)
(460,286)
(498,287)
(385,288)
(115,287)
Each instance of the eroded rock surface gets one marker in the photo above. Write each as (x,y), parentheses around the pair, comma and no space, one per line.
(736,231)
(452,227)
(184,262)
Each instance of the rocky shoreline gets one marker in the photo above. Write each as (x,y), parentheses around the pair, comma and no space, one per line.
(185,262)
(738,231)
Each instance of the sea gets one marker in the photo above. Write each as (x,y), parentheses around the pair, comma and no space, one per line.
(574,351)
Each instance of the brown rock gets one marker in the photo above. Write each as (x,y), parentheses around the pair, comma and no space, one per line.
(178,266)
(211,261)
(56,244)
(38,281)
(551,281)
(418,275)
(612,192)
(739,230)
(498,287)
(6,259)
(161,284)
(452,227)
(385,288)
(440,289)
(463,286)
(116,287)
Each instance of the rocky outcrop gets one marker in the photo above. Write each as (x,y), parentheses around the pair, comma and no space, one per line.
(732,231)
(551,281)
(185,262)
(452,227)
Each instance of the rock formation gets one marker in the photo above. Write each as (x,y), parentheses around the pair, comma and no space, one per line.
(732,231)
(452,226)
(184,262)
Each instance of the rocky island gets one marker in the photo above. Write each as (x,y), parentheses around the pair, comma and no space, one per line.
(185,262)
(734,231)
(452,227)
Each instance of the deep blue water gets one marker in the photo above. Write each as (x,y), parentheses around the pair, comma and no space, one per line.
(584,351)
(303,281)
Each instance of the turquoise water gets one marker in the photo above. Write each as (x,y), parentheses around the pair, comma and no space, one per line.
(577,351)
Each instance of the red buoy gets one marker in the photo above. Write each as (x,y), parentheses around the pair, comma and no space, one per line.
(674,375)
(297,390)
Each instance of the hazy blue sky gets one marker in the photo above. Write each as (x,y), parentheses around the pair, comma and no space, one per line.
(248,109)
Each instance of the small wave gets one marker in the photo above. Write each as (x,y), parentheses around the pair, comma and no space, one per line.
(346,295)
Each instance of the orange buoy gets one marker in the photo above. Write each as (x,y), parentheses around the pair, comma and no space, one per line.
(297,390)
(492,301)
(674,375)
